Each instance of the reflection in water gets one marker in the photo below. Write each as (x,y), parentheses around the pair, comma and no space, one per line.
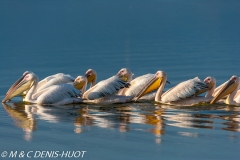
(22,119)
(188,134)
(82,120)
(233,119)
(157,121)
(232,123)
(125,117)
(191,118)
(25,116)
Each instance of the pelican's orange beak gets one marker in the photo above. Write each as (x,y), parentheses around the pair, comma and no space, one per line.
(151,85)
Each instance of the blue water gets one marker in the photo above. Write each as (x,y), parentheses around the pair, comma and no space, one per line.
(183,38)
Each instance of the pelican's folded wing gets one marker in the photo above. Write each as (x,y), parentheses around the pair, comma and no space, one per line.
(184,90)
(106,87)
(59,78)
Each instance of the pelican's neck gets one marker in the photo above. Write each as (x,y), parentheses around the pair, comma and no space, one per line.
(159,91)
(83,90)
(29,94)
(130,78)
(93,83)
(230,97)
(209,93)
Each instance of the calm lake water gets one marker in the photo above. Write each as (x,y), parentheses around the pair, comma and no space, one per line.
(183,38)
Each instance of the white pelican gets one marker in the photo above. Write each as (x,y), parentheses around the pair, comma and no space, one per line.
(183,94)
(230,88)
(136,85)
(91,77)
(104,92)
(53,95)
(59,78)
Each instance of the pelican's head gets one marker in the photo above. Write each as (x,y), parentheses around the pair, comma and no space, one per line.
(22,84)
(210,81)
(231,85)
(91,76)
(79,82)
(125,74)
(158,80)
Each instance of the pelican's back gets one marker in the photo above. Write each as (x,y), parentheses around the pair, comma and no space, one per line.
(56,79)
(57,93)
(184,90)
(107,87)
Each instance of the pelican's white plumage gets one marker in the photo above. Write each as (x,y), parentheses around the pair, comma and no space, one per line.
(58,95)
(106,87)
(59,78)
(55,79)
(54,95)
(186,93)
(237,97)
(183,90)
(104,92)
(183,94)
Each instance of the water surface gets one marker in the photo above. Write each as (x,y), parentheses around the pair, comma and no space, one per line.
(183,38)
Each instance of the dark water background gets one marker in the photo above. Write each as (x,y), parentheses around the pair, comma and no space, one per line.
(183,38)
